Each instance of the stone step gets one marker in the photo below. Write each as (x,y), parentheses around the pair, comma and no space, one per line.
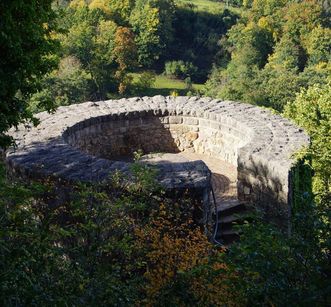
(233,218)
(226,227)
(230,213)
(231,207)
(227,237)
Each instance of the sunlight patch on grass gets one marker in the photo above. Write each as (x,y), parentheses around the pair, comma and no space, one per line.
(164,86)
(209,6)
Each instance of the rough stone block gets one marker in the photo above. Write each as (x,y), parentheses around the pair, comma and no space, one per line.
(191,136)
(175,120)
(190,121)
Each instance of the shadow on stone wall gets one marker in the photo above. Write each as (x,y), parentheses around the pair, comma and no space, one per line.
(56,160)
(267,191)
(118,139)
(221,185)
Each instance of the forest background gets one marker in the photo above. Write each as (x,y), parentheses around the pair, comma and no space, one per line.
(131,245)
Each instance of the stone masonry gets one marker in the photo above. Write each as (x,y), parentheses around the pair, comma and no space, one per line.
(89,141)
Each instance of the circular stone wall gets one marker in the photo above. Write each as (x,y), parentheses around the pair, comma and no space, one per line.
(88,141)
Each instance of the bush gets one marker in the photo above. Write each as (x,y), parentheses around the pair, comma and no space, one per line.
(180,69)
(273,269)
(311,109)
(145,81)
(104,245)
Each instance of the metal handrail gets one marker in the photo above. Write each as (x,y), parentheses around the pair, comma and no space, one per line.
(216,222)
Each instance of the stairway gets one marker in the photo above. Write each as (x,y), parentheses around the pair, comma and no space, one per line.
(229,213)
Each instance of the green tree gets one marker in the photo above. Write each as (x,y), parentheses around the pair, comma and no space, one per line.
(26,47)
(70,83)
(312,110)
(103,65)
(277,48)
(180,69)
(262,8)
(251,47)
(275,86)
(119,11)
(197,37)
(271,269)
(125,53)
(151,21)
(106,244)
(318,45)
(106,50)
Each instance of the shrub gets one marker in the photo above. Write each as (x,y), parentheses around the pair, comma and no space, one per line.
(100,245)
(273,269)
(180,69)
(145,81)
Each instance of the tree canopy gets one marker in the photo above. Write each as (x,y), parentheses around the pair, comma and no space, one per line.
(27,48)
(311,110)
(274,53)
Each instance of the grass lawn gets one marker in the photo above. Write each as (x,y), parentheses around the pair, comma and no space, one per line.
(164,86)
(209,6)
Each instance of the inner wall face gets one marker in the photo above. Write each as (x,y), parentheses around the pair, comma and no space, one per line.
(118,139)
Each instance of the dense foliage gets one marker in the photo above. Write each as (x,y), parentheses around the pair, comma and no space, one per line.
(104,41)
(275,270)
(126,243)
(312,110)
(197,37)
(122,243)
(179,69)
(24,25)
(276,48)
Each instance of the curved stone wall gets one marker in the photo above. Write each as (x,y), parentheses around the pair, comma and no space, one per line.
(116,136)
(88,141)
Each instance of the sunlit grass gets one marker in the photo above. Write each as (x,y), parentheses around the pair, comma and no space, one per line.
(166,82)
(165,86)
(209,6)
